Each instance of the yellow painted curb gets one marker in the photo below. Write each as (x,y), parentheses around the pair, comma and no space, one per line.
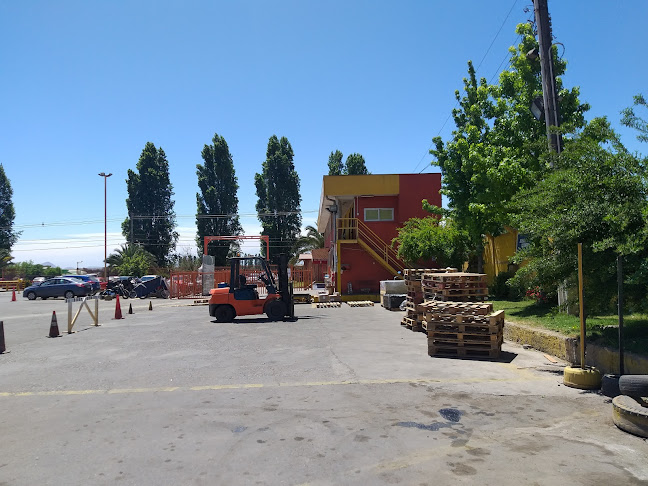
(583,378)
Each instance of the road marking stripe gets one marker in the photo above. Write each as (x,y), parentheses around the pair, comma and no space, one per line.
(116,391)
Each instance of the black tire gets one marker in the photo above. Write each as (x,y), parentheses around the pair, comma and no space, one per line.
(68,294)
(635,386)
(276,310)
(31,295)
(132,294)
(224,313)
(44,298)
(610,386)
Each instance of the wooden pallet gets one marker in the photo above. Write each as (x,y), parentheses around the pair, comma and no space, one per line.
(465,337)
(360,303)
(491,319)
(461,344)
(463,308)
(454,277)
(416,273)
(326,305)
(487,329)
(463,352)
(413,324)
(455,298)
(415,297)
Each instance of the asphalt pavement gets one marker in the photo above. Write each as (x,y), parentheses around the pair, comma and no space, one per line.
(340,396)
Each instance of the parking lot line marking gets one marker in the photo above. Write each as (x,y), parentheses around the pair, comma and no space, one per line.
(142,390)
(522,375)
(226,387)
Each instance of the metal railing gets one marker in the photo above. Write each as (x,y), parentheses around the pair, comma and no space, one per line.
(354,229)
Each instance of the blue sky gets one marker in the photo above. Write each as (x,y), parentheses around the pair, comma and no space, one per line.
(85,84)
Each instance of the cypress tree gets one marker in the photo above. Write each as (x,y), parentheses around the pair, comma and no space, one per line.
(278,204)
(218,185)
(150,206)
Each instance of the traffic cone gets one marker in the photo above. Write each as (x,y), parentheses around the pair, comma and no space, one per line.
(118,314)
(54,330)
(2,341)
(13,296)
(150,305)
(130,308)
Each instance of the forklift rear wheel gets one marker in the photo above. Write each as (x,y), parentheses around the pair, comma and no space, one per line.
(276,310)
(224,313)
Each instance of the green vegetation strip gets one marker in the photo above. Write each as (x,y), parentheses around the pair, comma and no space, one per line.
(602,330)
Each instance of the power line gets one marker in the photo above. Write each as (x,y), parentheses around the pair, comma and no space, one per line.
(151,216)
(427,152)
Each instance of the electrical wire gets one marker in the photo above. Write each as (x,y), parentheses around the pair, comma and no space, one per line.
(427,152)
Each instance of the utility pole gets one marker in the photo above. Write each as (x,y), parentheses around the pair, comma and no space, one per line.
(549,95)
(130,217)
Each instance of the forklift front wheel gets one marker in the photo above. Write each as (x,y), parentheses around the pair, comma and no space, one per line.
(276,310)
(224,313)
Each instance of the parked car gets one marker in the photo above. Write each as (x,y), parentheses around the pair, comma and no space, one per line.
(94,281)
(148,277)
(38,280)
(58,287)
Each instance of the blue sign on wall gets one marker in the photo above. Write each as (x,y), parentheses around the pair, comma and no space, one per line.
(522,242)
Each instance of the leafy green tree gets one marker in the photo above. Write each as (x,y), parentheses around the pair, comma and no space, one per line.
(150,205)
(421,240)
(217,201)
(355,165)
(312,240)
(30,270)
(495,148)
(131,260)
(278,204)
(7,215)
(630,119)
(597,195)
(335,164)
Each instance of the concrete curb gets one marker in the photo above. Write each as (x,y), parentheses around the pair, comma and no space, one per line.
(606,360)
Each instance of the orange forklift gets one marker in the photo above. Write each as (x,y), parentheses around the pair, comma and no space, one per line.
(241,298)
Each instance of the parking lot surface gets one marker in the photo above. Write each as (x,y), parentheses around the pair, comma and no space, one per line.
(340,396)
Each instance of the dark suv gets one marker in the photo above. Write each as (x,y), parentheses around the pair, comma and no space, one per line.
(93,281)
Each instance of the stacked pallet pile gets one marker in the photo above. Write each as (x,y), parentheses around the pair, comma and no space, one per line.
(463,329)
(413,312)
(454,286)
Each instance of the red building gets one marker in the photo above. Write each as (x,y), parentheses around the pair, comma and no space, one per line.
(359,216)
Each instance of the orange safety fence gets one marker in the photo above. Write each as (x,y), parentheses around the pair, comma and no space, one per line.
(189,285)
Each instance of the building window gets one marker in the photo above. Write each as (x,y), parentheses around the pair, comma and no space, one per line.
(379,214)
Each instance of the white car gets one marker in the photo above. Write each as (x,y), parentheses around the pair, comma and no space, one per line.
(38,280)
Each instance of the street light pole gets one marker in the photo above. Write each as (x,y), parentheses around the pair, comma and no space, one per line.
(105,176)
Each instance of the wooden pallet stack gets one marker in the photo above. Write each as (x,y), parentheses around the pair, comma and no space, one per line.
(463,329)
(454,286)
(413,312)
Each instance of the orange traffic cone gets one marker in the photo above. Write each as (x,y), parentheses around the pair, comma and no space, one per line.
(130,308)
(118,314)
(150,305)
(54,330)
(2,341)
(13,296)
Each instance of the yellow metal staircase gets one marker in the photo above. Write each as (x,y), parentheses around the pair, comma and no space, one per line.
(352,230)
